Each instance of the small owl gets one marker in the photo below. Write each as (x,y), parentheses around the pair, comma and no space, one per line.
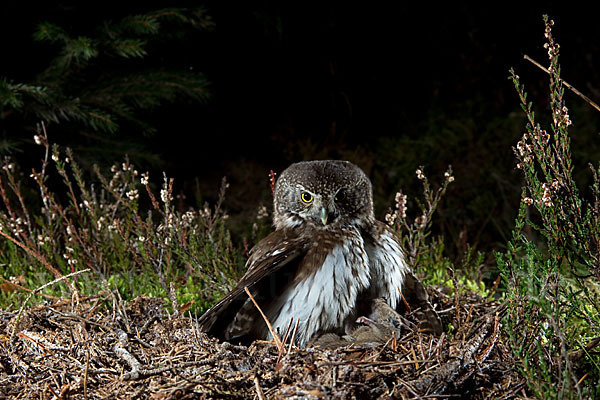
(324,265)
(383,323)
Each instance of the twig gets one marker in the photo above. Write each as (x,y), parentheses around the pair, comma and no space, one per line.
(12,334)
(284,341)
(408,309)
(259,391)
(120,349)
(568,85)
(293,336)
(17,286)
(173,297)
(287,331)
(41,259)
(144,373)
(85,374)
(273,333)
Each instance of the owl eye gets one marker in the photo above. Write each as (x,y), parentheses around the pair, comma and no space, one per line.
(306,197)
(340,195)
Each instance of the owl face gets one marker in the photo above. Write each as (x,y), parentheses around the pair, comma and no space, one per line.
(323,195)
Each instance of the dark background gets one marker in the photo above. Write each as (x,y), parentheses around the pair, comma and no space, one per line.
(388,86)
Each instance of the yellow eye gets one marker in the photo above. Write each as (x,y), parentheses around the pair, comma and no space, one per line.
(306,197)
(340,195)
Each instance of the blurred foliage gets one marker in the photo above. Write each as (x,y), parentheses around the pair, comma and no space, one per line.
(102,80)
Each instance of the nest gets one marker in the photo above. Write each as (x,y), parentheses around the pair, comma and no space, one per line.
(80,349)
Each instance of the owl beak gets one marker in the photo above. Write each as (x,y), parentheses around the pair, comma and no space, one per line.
(323,215)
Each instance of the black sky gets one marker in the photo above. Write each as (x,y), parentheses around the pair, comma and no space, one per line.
(295,79)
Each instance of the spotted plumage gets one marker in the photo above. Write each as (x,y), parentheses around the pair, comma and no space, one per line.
(324,265)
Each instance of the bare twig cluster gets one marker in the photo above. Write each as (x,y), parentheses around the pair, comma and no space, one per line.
(138,350)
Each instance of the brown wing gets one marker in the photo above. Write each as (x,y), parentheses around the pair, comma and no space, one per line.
(264,278)
(417,297)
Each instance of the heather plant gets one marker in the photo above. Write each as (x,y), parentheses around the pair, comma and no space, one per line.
(413,235)
(552,265)
(426,255)
(71,225)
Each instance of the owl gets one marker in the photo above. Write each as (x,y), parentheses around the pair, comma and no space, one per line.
(324,265)
(383,323)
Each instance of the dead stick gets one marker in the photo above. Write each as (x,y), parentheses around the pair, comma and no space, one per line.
(293,336)
(273,333)
(568,85)
(36,291)
(259,390)
(85,375)
(120,348)
(17,286)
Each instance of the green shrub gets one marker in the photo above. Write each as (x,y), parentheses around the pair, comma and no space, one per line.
(551,267)
(70,225)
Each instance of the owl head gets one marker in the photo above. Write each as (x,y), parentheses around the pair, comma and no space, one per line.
(322,195)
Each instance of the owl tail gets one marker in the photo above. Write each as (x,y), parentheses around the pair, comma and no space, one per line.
(416,296)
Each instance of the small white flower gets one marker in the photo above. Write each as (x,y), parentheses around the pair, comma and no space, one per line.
(390,218)
(188,217)
(38,139)
(421,221)
(400,205)
(420,174)
(133,194)
(262,212)
(145,178)
(164,195)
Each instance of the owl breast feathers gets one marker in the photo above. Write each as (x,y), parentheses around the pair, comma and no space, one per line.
(324,265)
